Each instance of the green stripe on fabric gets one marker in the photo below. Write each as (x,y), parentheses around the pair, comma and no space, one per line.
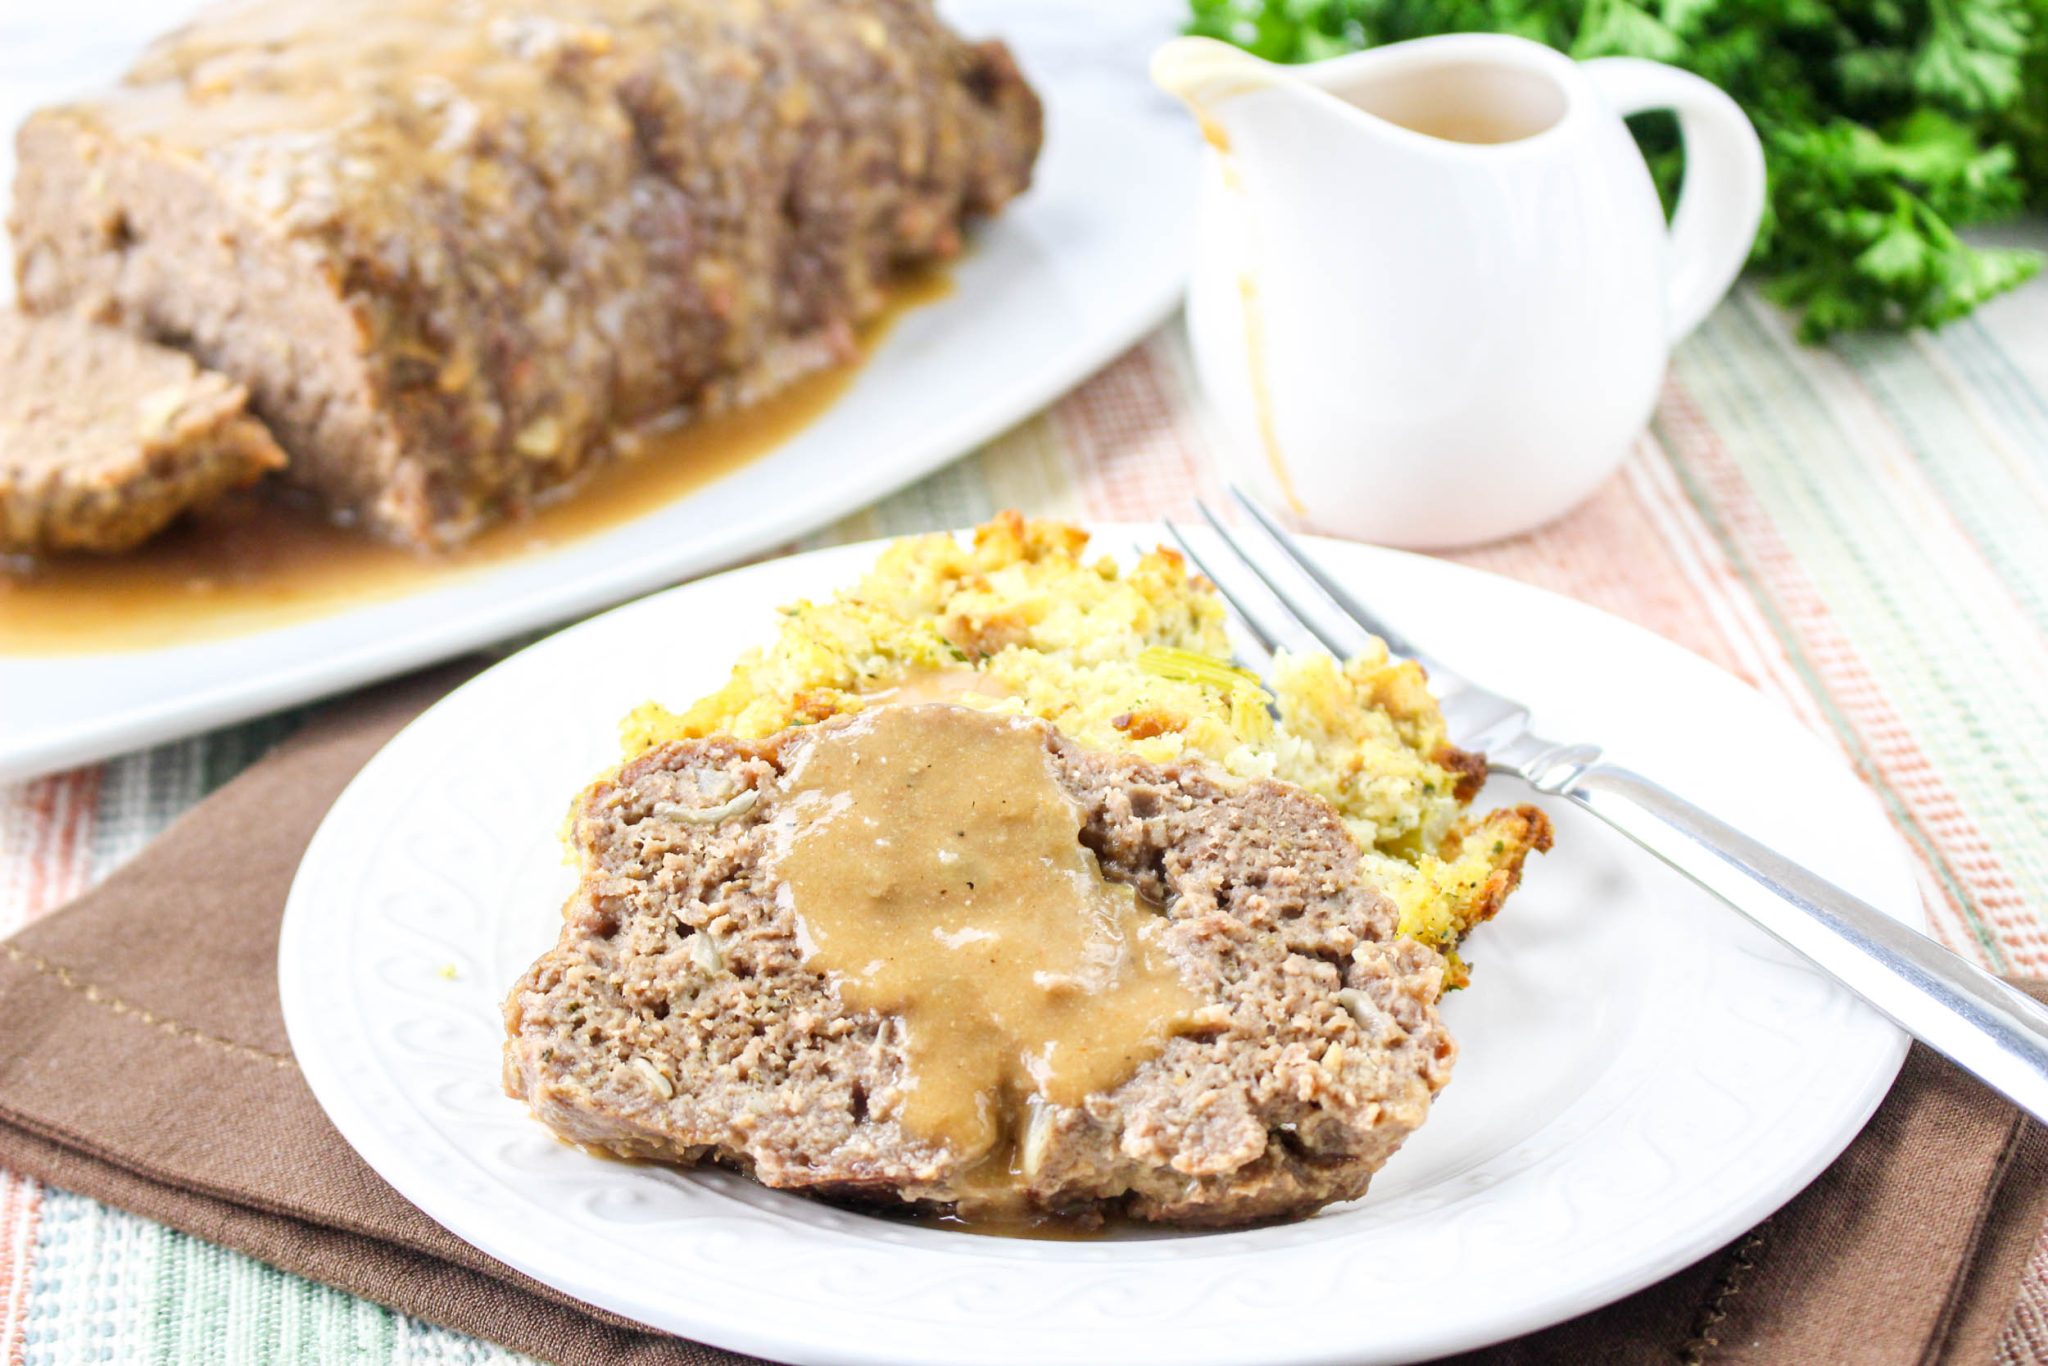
(2002,515)
(1928,637)
(191,1309)
(1845,730)
(1031,469)
(2003,375)
(236,748)
(110,1287)
(141,793)
(956,496)
(1997,377)
(231,1309)
(1963,662)
(88,1289)
(216,1305)
(1702,364)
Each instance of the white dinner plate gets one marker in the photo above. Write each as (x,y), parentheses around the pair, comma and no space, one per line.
(1076,270)
(1643,1076)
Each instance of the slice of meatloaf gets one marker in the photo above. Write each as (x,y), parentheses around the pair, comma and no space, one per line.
(105,437)
(677,1018)
(457,249)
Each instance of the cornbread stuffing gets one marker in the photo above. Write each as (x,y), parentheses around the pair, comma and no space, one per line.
(1137,661)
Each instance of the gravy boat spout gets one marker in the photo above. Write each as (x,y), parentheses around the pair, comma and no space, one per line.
(1212,78)
(1204,73)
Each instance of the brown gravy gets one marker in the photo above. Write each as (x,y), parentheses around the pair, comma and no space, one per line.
(936,870)
(1462,101)
(254,561)
(1254,330)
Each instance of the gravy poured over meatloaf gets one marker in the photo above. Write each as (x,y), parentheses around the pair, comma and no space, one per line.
(936,872)
(458,249)
(720,992)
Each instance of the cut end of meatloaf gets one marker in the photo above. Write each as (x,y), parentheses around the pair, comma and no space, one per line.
(678,1019)
(104,438)
(459,250)
(150,238)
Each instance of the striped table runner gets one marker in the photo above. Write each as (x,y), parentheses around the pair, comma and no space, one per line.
(1861,531)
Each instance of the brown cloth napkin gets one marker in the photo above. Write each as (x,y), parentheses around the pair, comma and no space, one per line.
(145,1064)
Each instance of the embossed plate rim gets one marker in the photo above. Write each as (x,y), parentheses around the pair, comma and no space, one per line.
(1698,1119)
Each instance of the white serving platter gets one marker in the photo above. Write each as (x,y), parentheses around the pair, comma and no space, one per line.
(1070,275)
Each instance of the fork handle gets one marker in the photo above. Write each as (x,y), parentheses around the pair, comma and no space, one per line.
(1948,1003)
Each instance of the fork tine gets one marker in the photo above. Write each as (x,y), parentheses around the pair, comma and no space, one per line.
(1269,622)
(1343,640)
(1332,593)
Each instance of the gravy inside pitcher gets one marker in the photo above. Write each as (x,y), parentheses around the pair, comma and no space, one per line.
(1459,101)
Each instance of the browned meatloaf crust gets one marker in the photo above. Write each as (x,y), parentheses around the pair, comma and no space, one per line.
(677,1020)
(105,437)
(456,247)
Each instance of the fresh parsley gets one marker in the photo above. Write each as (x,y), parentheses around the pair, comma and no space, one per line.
(1887,124)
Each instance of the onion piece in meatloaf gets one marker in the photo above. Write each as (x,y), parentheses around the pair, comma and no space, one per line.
(679,1017)
(459,249)
(105,438)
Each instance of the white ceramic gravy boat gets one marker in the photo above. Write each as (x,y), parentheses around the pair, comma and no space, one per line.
(1434,292)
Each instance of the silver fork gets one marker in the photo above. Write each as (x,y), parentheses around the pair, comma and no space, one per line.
(1287,601)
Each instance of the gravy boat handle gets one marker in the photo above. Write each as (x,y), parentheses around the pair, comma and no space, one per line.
(1722,200)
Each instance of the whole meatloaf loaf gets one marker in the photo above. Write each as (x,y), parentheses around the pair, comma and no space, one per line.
(459,249)
(679,1019)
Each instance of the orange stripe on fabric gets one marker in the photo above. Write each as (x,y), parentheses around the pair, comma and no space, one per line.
(55,842)
(1887,742)
(1721,592)
(1607,552)
(1681,522)
(21,1203)
(61,811)
(29,821)
(73,851)
(1135,458)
